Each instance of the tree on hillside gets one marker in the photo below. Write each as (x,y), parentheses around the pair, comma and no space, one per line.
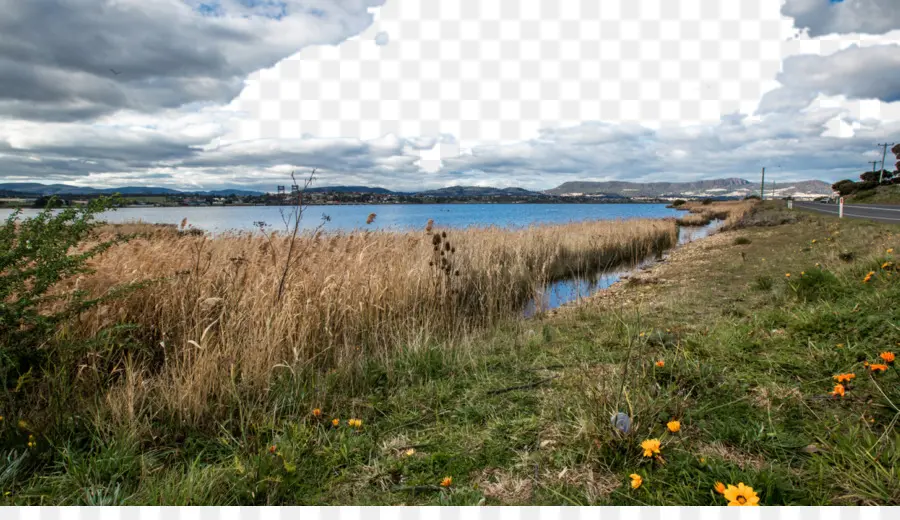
(844,187)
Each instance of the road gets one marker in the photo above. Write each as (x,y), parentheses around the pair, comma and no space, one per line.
(876,212)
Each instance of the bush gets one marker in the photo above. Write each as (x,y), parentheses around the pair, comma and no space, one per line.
(763,283)
(752,197)
(815,284)
(707,202)
(741,241)
(36,254)
(678,202)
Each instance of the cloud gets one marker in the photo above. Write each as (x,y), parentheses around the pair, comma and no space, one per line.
(57,57)
(821,17)
(855,73)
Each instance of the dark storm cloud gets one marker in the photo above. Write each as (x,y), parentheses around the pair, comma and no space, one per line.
(855,72)
(821,17)
(66,60)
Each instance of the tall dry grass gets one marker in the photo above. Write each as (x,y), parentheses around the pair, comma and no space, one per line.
(214,322)
(729,211)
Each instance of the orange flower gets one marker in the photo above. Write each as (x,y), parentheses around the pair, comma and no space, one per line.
(720,488)
(317,413)
(660,363)
(891,250)
(335,421)
(741,495)
(636,480)
(888,357)
(787,275)
(272,449)
(838,390)
(878,368)
(886,265)
(651,447)
(447,481)
(842,378)
(673,426)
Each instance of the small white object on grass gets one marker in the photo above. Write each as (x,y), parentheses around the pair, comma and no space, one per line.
(621,422)
(382,39)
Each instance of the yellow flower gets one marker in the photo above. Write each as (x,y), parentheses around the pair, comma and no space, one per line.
(891,250)
(22,424)
(410,452)
(651,447)
(741,495)
(673,426)
(636,480)
(838,390)
(335,421)
(720,488)
(660,363)
(317,413)
(818,265)
(787,275)
(802,273)
(841,378)
(840,345)
(886,265)
(888,357)
(814,241)
(641,335)
(447,481)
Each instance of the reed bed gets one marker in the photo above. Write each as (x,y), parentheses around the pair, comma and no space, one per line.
(702,214)
(213,319)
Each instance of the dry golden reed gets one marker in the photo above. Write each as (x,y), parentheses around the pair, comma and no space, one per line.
(214,317)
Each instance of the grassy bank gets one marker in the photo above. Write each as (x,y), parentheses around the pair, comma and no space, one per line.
(718,338)
(880,195)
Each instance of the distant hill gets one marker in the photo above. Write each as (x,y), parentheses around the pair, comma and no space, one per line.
(36,189)
(479,191)
(730,188)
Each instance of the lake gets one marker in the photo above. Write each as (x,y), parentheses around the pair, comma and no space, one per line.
(393,216)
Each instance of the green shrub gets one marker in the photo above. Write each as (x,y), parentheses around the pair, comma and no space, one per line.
(763,283)
(36,254)
(815,284)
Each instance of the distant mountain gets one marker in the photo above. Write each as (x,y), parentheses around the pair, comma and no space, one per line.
(724,188)
(35,189)
(478,191)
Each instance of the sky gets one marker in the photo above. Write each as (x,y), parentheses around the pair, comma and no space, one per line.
(209,94)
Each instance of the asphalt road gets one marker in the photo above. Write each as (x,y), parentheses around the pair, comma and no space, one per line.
(876,212)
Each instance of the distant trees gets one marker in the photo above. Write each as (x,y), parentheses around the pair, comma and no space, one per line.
(868,180)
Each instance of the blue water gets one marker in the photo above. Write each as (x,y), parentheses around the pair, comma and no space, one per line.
(564,291)
(394,216)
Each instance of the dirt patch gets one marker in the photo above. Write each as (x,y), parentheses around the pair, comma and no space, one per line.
(596,485)
(505,487)
(728,454)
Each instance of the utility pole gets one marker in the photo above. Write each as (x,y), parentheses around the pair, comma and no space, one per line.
(873,168)
(762,185)
(883,155)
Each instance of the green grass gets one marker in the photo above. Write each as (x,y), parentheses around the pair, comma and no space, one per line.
(748,353)
(889,194)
